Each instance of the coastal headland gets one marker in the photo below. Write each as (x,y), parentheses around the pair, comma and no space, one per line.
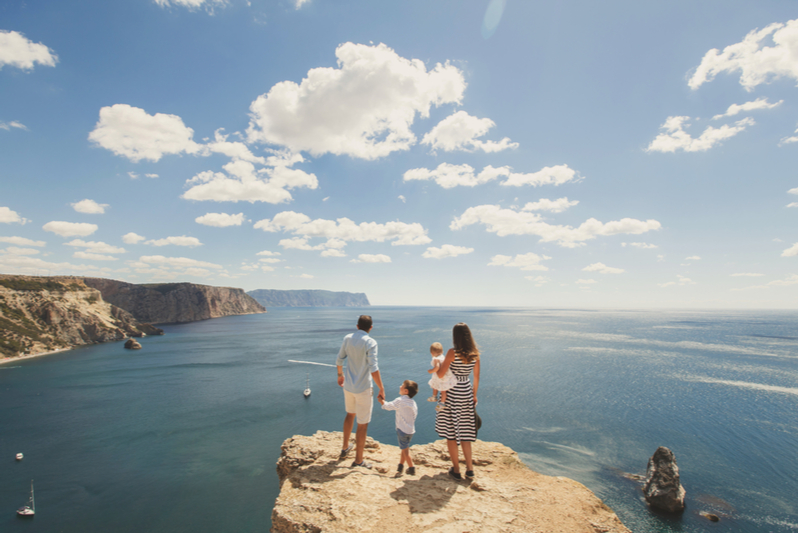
(320,492)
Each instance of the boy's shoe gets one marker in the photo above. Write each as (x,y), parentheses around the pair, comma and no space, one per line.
(469,474)
(441,407)
(411,470)
(455,475)
(400,469)
(432,399)
(344,452)
(362,464)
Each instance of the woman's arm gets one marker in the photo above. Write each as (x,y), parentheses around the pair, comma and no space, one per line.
(477,371)
(445,366)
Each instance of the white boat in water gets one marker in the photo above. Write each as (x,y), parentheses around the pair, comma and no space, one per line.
(307,392)
(19,457)
(27,510)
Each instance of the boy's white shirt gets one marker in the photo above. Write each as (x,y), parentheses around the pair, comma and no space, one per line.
(405,413)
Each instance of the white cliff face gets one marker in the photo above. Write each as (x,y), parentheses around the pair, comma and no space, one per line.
(42,314)
(172,303)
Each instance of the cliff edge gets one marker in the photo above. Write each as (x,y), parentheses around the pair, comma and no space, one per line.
(320,493)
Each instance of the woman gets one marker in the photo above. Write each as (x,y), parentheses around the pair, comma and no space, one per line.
(457,422)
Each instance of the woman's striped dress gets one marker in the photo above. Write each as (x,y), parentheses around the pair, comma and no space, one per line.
(457,422)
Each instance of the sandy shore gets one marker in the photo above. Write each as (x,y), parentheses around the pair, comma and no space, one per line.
(18,358)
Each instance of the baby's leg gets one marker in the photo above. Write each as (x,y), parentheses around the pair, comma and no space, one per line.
(433,396)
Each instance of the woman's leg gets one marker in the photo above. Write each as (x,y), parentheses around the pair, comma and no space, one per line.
(467,447)
(452,449)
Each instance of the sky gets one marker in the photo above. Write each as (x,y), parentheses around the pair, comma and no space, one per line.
(437,153)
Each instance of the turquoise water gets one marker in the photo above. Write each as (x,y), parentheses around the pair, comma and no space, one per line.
(184,434)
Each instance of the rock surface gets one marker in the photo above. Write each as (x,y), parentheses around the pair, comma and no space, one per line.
(42,314)
(320,493)
(175,303)
(131,344)
(309,298)
(662,488)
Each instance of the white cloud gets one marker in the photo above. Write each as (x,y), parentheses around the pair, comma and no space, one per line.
(642,245)
(586,281)
(554,206)
(693,258)
(94,257)
(149,261)
(758,63)
(681,282)
(234,150)
(300,3)
(603,269)
(402,198)
(370,258)
(14,250)
(132,238)
(183,240)
(460,131)
(132,133)
(790,252)
(748,274)
(447,250)
(343,230)
(89,207)
(22,241)
(529,261)
(509,222)
(675,138)
(70,229)
(363,109)
(270,260)
(788,140)
(13,124)
(243,183)
(788,282)
(305,276)
(538,281)
(209,5)
(220,220)
(449,176)
(95,247)
(151,175)
(268,253)
(735,109)
(17,51)
(8,216)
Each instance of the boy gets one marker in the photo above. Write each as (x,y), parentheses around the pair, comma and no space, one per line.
(406,413)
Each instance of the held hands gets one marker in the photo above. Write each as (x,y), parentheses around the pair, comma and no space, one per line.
(381,396)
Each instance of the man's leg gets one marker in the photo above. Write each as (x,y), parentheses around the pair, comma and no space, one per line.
(361,440)
(347,429)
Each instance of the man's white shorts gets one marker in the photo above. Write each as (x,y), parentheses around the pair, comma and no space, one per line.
(360,404)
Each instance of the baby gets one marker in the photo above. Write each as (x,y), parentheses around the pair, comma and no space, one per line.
(439,384)
(406,413)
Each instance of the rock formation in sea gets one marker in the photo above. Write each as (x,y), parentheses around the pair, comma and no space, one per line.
(309,298)
(173,303)
(131,344)
(41,314)
(662,486)
(319,493)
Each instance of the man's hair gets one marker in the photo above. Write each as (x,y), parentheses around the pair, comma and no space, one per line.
(364,322)
(411,387)
(436,347)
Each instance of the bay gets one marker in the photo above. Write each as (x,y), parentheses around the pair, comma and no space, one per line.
(184,434)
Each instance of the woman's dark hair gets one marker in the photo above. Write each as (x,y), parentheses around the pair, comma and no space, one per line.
(463,343)
(364,322)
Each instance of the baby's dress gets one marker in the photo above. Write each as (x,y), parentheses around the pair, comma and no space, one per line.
(442,384)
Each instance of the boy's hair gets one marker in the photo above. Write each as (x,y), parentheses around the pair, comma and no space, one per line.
(436,347)
(411,387)
(364,322)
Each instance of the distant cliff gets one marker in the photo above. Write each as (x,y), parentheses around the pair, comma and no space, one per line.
(309,298)
(42,314)
(173,303)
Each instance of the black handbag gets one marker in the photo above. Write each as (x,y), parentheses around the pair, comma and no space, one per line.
(478,421)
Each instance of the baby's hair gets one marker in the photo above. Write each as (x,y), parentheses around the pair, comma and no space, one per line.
(411,387)
(436,347)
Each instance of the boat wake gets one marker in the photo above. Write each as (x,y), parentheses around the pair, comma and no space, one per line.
(309,363)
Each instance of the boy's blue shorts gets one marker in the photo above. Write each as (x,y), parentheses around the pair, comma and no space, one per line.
(404,439)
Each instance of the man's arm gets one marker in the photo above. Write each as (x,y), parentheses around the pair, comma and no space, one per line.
(340,362)
(340,372)
(376,376)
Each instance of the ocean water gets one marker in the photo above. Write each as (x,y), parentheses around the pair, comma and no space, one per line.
(183,435)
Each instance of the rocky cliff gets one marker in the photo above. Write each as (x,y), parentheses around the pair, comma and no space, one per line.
(321,493)
(172,303)
(41,314)
(309,298)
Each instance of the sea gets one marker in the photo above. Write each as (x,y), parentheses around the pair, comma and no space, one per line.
(184,434)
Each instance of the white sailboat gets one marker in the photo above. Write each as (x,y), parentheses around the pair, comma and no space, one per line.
(27,510)
(307,392)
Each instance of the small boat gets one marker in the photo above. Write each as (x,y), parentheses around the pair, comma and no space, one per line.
(307,392)
(19,457)
(27,511)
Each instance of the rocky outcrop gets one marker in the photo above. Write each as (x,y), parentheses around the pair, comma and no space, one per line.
(321,493)
(131,344)
(174,303)
(41,314)
(309,298)
(662,488)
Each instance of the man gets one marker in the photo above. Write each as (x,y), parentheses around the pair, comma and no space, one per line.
(361,352)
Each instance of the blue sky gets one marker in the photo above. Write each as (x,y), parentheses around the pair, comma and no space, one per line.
(479,153)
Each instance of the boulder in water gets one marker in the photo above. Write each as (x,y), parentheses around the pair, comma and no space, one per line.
(132,345)
(663,489)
